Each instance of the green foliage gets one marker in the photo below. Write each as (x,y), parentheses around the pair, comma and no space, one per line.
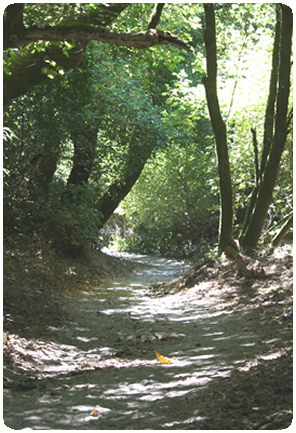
(140,103)
(101,94)
(168,210)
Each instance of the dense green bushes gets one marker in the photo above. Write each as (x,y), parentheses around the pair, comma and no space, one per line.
(173,208)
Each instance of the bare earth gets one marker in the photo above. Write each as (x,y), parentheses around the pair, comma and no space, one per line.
(89,363)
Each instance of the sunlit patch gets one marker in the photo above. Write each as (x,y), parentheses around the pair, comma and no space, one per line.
(270,356)
(186,421)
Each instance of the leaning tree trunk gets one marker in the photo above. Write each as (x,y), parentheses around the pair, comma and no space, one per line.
(281,235)
(251,236)
(135,162)
(219,127)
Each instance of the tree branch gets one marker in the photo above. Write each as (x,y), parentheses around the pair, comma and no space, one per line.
(86,33)
(155,16)
(17,35)
(25,71)
(25,68)
(14,29)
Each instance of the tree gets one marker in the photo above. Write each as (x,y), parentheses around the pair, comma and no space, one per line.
(36,50)
(219,127)
(97,120)
(274,142)
(168,216)
(43,42)
(101,110)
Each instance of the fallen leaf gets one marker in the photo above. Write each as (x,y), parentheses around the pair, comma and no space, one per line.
(162,359)
(95,412)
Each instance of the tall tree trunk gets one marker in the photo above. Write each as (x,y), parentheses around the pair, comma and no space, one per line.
(69,240)
(251,236)
(219,127)
(271,101)
(269,118)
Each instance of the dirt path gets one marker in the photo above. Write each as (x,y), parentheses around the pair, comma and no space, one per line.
(229,343)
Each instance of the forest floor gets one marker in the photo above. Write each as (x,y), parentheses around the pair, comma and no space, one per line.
(79,342)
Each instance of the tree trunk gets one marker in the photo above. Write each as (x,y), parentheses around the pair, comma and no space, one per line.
(219,127)
(269,119)
(26,70)
(85,142)
(264,197)
(280,236)
(136,161)
(270,108)
(47,163)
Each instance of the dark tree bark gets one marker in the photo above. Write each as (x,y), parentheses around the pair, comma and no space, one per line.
(269,118)
(85,143)
(136,160)
(219,127)
(87,33)
(47,163)
(270,108)
(251,236)
(255,146)
(281,235)
(155,16)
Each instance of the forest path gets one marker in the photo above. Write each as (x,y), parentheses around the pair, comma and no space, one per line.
(99,370)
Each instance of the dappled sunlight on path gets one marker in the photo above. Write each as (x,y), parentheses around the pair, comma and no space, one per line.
(99,370)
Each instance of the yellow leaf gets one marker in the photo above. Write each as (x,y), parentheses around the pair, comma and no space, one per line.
(94,413)
(162,359)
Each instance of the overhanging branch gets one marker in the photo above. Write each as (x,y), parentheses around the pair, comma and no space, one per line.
(87,33)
